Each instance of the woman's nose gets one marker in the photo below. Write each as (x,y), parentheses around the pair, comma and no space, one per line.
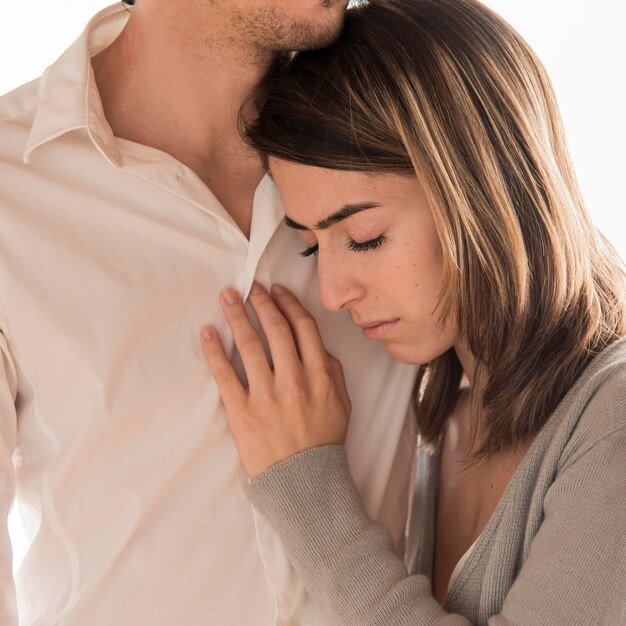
(337,287)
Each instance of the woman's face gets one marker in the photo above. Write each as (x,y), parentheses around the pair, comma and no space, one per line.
(378,253)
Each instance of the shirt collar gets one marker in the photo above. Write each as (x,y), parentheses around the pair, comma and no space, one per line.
(68,95)
(69,100)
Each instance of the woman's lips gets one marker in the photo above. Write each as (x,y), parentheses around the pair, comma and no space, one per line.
(379,330)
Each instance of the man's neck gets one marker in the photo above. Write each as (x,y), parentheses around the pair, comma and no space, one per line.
(174,84)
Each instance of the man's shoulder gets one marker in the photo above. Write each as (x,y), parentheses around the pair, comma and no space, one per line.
(20,102)
(17,111)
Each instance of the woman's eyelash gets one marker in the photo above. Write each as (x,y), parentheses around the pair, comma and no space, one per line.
(363,246)
(355,246)
(309,251)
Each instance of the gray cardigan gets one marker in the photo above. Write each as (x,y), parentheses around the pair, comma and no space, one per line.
(552,554)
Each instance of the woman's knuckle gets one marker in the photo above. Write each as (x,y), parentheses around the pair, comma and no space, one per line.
(323,377)
(248,342)
(277,327)
(306,322)
(296,394)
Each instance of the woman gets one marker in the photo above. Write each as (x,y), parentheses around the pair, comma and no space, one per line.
(422,159)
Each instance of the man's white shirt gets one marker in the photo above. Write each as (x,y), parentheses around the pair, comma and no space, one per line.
(112,434)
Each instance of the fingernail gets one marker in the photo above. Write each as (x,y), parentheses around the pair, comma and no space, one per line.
(256,288)
(208,333)
(278,290)
(230,296)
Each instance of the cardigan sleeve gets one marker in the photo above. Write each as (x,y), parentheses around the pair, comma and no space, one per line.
(575,572)
(346,560)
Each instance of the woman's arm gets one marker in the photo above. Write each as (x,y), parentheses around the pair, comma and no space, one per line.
(293,418)
(289,426)
(346,560)
(575,573)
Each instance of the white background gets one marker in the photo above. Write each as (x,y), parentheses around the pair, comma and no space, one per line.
(581,42)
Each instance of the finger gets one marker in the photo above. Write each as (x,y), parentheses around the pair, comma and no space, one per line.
(277,331)
(336,369)
(303,326)
(246,339)
(221,369)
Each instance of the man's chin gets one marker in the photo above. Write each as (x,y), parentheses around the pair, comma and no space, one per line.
(327,30)
(315,37)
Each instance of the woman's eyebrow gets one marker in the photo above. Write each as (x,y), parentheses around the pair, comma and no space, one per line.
(293,224)
(344,212)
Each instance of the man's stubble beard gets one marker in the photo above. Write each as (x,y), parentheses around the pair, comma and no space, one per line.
(270,29)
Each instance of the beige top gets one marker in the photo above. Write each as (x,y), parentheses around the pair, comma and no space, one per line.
(552,554)
(112,257)
(460,564)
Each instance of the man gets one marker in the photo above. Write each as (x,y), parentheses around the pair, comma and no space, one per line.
(128,201)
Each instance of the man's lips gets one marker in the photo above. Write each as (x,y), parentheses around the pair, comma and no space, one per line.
(378,329)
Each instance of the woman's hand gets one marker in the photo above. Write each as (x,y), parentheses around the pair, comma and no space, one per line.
(298,404)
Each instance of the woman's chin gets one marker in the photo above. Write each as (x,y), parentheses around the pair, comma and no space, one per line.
(405,353)
(413,354)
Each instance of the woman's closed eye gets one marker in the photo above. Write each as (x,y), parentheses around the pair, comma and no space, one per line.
(364,246)
(309,251)
(355,246)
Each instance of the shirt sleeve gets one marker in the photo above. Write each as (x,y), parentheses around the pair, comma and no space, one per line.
(8,436)
(575,567)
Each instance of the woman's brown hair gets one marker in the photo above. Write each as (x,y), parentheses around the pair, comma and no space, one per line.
(447,91)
